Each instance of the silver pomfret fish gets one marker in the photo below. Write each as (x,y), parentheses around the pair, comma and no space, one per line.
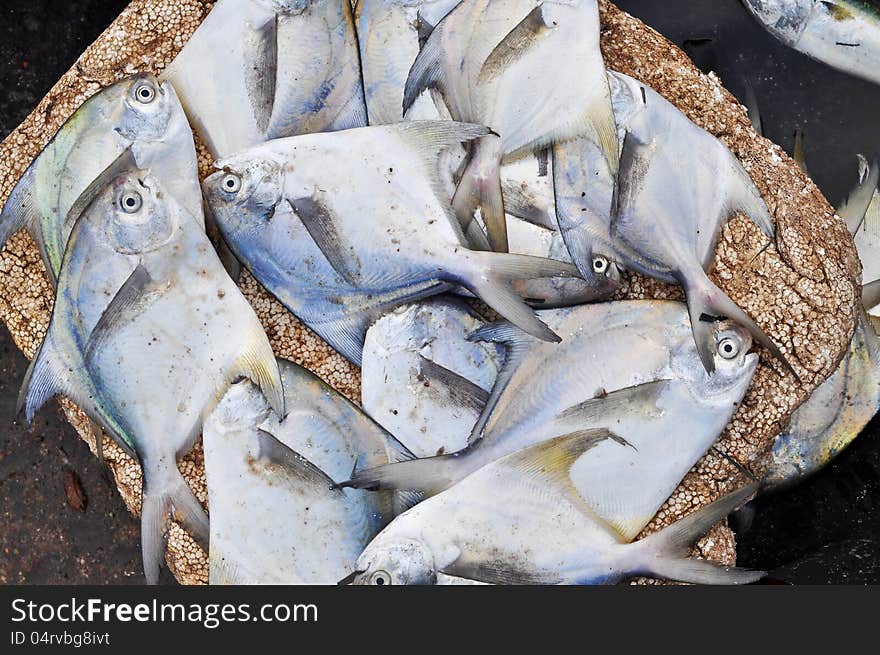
(275,518)
(844,34)
(637,373)
(531,71)
(384,223)
(518,520)
(176,332)
(262,69)
(137,114)
(665,221)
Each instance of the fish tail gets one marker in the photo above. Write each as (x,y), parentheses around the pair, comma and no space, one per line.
(43,380)
(707,301)
(480,186)
(666,554)
(491,275)
(171,499)
(19,211)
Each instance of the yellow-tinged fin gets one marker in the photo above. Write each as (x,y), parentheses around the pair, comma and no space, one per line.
(551,460)
(530,31)
(600,116)
(837,11)
(257,362)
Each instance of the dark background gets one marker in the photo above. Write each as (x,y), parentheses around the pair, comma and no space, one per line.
(823,531)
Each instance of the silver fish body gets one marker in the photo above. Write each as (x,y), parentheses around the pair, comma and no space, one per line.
(844,34)
(630,367)
(262,69)
(383,224)
(519,521)
(677,186)
(422,380)
(136,114)
(274,517)
(147,331)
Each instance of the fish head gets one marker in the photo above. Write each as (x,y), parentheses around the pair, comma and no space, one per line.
(135,214)
(391,561)
(243,195)
(787,19)
(734,364)
(243,407)
(144,108)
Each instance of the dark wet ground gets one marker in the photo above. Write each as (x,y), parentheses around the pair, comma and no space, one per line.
(827,530)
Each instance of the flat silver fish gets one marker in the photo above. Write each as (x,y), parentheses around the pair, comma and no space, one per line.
(844,34)
(146,333)
(677,186)
(382,221)
(275,518)
(630,367)
(532,72)
(261,69)
(136,114)
(519,520)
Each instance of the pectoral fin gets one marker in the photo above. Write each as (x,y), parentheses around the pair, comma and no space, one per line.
(460,391)
(523,38)
(262,78)
(640,399)
(317,217)
(133,296)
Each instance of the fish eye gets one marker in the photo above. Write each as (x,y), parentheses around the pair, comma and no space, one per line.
(380,578)
(131,202)
(231,183)
(145,93)
(729,347)
(600,265)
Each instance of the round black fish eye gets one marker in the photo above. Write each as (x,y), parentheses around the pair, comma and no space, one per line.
(380,578)
(600,264)
(728,348)
(131,202)
(231,183)
(145,93)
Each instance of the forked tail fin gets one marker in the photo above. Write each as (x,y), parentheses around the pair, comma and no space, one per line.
(666,554)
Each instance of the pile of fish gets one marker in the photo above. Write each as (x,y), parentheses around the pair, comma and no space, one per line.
(379,170)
